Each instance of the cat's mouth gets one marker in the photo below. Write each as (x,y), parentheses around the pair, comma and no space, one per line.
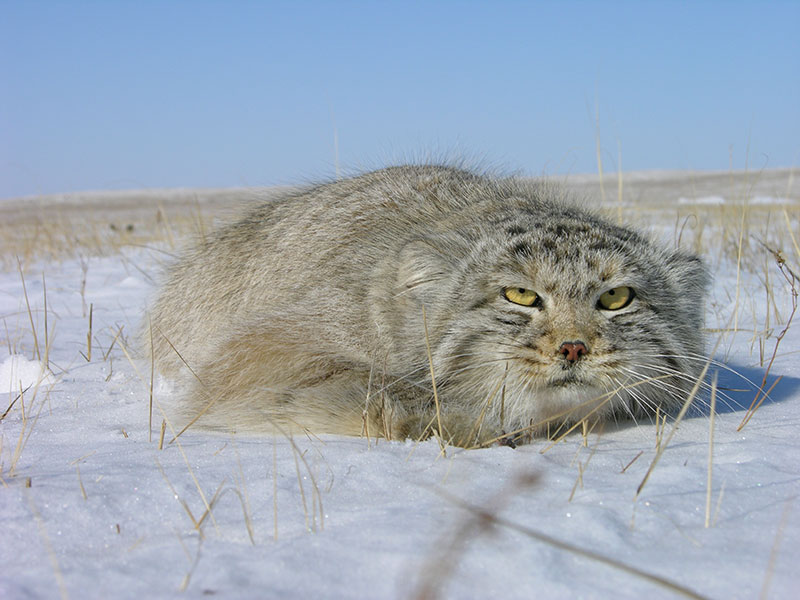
(562,376)
(568,378)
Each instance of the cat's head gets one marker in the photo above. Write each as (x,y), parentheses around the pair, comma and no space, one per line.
(548,313)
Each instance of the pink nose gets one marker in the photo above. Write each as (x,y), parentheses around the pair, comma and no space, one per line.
(573,351)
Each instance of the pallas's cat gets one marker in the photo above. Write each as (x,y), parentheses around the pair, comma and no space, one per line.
(334,309)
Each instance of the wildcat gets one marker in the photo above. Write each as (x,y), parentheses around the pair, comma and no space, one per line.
(335,308)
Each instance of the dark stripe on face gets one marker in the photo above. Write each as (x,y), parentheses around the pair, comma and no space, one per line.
(523,249)
(510,320)
(478,304)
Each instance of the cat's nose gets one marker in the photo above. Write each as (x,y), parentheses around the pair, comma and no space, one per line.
(573,351)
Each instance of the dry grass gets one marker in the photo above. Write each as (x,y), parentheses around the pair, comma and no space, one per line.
(482,521)
(735,231)
(760,239)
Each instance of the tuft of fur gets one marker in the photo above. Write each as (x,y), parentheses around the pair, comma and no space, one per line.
(308,312)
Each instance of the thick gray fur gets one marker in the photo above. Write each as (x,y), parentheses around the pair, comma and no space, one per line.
(308,312)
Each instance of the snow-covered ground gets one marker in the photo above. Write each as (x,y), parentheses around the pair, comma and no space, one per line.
(720,200)
(90,507)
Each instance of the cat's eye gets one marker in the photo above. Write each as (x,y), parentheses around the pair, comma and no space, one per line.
(521,296)
(615,299)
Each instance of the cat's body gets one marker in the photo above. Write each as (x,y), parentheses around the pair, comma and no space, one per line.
(308,312)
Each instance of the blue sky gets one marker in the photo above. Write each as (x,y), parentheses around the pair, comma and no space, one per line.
(112,95)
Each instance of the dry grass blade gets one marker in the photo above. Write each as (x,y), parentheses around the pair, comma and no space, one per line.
(773,555)
(437,572)
(37,354)
(89,335)
(581,469)
(474,433)
(791,234)
(14,401)
(674,429)
(440,437)
(793,280)
(180,500)
(80,482)
(152,380)
(161,435)
(211,504)
(59,575)
(302,492)
(27,427)
(202,411)
(46,332)
(275,489)
(712,414)
(661,427)
(248,521)
(619,182)
(113,341)
(601,558)
(633,460)
(365,413)
(162,216)
(599,151)
(244,497)
(739,250)
(485,518)
(317,514)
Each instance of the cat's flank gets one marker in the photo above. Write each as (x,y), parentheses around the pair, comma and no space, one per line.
(330,308)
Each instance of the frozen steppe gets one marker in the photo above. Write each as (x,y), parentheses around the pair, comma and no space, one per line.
(90,507)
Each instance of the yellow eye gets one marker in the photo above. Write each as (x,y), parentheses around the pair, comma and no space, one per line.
(617,298)
(521,296)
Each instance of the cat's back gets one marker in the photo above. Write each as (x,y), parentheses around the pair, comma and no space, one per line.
(328,232)
(414,198)
(311,253)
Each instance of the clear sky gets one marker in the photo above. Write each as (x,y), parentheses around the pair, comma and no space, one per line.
(112,94)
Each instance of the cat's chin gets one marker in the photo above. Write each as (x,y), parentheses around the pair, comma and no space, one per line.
(571,401)
(569,380)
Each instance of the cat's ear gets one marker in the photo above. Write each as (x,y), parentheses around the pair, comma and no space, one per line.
(422,265)
(691,273)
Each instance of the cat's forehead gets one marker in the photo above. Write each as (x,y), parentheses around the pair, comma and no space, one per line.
(568,238)
(569,252)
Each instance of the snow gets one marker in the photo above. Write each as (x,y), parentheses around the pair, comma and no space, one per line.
(17,372)
(760,200)
(770,200)
(91,508)
(702,200)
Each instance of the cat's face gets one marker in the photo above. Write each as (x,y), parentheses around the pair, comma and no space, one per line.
(561,319)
